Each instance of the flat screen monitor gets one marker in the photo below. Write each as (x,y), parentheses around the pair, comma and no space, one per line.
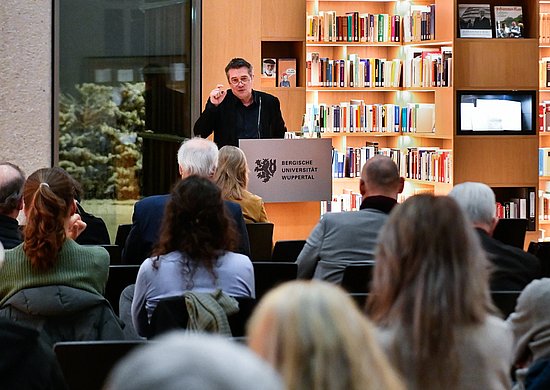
(496,112)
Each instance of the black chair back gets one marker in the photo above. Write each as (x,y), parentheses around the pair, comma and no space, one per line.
(260,235)
(171,313)
(511,231)
(357,278)
(86,364)
(542,251)
(269,274)
(505,301)
(120,276)
(122,233)
(115,253)
(287,250)
(360,299)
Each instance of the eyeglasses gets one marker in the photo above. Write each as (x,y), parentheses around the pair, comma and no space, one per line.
(244,79)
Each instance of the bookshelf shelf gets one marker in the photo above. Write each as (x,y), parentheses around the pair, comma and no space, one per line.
(353,89)
(350,44)
(427,43)
(329,134)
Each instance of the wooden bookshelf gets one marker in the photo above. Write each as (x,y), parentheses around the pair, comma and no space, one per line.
(509,164)
(441,97)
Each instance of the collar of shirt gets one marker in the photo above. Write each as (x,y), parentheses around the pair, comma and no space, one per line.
(378,202)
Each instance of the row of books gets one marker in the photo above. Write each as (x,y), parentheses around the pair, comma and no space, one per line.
(544,205)
(544,72)
(353,72)
(419,163)
(428,67)
(544,116)
(419,23)
(356,116)
(544,23)
(515,208)
(353,27)
(421,68)
(544,161)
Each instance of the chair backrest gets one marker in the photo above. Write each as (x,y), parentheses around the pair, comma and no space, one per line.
(360,299)
(120,276)
(505,301)
(122,233)
(357,278)
(269,274)
(86,364)
(260,235)
(115,253)
(171,313)
(542,251)
(287,250)
(511,231)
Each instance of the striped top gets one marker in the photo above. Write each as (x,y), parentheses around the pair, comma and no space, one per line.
(82,267)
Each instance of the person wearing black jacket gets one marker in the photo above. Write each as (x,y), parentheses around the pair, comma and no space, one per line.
(240,112)
(512,268)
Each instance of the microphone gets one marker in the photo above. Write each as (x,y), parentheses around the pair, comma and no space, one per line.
(259,116)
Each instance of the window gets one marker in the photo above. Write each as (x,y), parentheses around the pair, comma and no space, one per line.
(126,75)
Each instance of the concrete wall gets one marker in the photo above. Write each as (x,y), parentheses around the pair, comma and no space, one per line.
(25,82)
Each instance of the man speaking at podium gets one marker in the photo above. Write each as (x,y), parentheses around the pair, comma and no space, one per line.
(240,112)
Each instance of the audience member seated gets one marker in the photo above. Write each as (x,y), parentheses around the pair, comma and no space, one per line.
(430,300)
(316,337)
(513,268)
(193,362)
(49,255)
(96,232)
(194,252)
(531,326)
(232,177)
(196,156)
(27,362)
(12,180)
(340,239)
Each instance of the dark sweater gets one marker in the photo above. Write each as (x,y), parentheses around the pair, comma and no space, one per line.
(10,235)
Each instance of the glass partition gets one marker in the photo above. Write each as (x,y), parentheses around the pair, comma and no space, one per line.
(126,76)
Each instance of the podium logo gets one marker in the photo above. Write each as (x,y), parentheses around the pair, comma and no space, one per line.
(265,169)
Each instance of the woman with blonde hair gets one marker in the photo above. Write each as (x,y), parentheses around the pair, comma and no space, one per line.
(49,255)
(315,336)
(430,300)
(232,177)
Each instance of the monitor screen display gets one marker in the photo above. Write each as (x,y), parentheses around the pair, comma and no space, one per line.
(496,112)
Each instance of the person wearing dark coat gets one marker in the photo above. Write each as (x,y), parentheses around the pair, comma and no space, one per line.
(27,362)
(12,180)
(195,157)
(240,112)
(513,268)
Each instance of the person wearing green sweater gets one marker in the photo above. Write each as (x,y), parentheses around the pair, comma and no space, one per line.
(49,255)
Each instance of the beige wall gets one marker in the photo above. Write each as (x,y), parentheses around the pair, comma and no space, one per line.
(25,82)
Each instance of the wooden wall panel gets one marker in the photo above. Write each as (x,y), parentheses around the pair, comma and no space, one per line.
(283,20)
(496,63)
(504,161)
(293,221)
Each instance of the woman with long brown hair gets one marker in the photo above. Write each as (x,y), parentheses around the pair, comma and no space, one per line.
(194,252)
(49,255)
(430,300)
(232,177)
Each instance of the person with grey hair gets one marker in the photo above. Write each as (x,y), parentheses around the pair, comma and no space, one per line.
(196,156)
(12,180)
(193,362)
(513,269)
(340,239)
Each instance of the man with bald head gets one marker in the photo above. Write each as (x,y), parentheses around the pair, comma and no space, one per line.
(340,239)
(12,180)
